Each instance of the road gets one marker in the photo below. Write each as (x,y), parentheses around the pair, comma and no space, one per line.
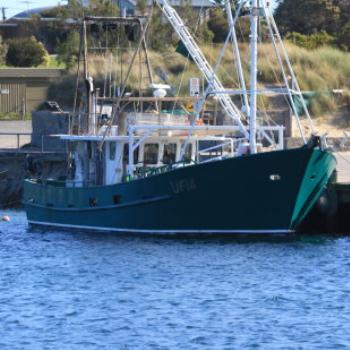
(14,126)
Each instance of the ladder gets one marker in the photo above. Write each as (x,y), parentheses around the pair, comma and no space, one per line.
(203,65)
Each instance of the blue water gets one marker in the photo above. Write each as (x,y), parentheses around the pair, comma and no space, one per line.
(62,290)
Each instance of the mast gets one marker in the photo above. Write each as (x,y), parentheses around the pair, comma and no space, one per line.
(237,54)
(90,105)
(203,65)
(254,16)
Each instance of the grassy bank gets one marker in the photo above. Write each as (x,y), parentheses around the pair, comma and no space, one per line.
(322,70)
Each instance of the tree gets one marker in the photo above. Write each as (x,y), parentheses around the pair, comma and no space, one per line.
(195,22)
(159,33)
(217,23)
(3,51)
(69,42)
(344,37)
(25,52)
(68,49)
(102,8)
(308,17)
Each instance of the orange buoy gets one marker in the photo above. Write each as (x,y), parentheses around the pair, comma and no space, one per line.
(5,218)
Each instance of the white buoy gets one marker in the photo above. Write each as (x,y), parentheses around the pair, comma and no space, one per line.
(5,218)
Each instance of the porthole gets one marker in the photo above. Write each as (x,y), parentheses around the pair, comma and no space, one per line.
(92,202)
(275,177)
(117,199)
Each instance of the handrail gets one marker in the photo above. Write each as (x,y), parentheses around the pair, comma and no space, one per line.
(18,146)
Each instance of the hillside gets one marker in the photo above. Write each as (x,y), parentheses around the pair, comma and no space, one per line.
(321,71)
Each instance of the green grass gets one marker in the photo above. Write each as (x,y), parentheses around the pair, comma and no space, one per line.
(320,70)
(15,116)
(52,62)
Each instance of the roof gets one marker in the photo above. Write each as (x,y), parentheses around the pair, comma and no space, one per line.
(30,72)
(194,3)
(32,12)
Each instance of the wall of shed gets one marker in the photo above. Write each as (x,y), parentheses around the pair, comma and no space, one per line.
(27,88)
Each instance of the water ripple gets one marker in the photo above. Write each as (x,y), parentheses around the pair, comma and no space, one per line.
(64,290)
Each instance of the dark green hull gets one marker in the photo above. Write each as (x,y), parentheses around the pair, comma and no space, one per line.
(263,193)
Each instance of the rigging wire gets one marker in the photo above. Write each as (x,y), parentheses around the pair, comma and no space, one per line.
(236,59)
(187,60)
(116,105)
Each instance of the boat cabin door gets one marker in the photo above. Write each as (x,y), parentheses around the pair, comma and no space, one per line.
(113,162)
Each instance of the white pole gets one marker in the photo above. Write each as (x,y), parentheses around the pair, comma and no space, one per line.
(131,151)
(237,54)
(253,73)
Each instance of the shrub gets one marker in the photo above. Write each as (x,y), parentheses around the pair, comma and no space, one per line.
(26,52)
(310,42)
(68,49)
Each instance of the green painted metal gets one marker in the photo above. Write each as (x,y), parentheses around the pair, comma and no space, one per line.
(256,193)
(318,172)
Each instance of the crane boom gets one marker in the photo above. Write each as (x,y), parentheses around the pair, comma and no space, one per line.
(203,65)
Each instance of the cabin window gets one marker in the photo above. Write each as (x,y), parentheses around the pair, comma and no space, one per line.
(169,155)
(188,152)
(151,153)
(126,154)
(112,149)
(90,150)
(117,199)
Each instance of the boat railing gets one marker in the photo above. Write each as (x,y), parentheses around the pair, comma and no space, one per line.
(145,171)
(61,182)
(28,142)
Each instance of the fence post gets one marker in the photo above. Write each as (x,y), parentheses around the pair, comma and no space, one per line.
(18,135)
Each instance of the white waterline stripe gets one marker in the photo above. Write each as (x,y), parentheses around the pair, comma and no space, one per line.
(98,228)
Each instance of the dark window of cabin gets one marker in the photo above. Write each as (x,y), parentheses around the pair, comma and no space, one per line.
(92,202)
(151,153)
(188,152)
(117,199)
(126,154)
(169,155)
(90,150)
(112,149)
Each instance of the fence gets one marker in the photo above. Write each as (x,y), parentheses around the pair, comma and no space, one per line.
(21,142)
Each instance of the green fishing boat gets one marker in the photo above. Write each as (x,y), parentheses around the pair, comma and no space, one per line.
(263,193)
(157,172)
